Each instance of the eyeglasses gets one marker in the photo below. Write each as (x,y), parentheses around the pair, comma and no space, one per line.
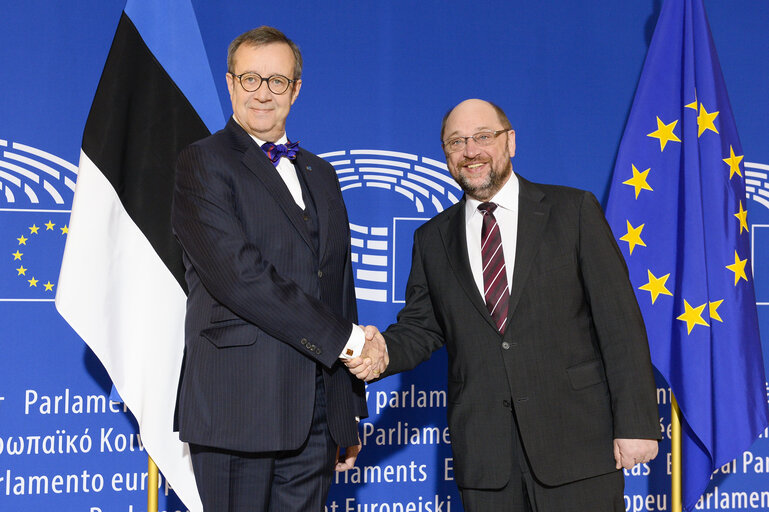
(481,138)
(251,82)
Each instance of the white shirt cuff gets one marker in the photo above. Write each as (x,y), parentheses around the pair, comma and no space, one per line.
(354,343)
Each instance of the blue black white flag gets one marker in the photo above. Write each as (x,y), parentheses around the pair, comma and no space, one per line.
(122,286)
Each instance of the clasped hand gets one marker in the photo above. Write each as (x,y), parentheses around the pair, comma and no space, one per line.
(373,359)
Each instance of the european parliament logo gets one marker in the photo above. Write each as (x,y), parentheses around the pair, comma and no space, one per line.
(388,195)
(36,190)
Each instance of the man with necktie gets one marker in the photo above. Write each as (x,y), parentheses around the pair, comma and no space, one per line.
(264,401)
(550,385)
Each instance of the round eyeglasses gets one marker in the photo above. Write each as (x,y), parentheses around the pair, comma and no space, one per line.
(484,138)
(250,82)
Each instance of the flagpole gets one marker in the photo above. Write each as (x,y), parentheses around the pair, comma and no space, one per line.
(152,485)
(675,455)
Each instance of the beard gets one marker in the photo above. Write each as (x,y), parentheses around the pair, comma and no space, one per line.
(490,186)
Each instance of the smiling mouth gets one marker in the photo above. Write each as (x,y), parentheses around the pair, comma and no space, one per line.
(475,166)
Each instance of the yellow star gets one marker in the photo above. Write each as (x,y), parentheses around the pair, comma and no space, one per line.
(713,309)
(32,282)
(738,267)
(49,226)
(705,120)
(664,133)
(17,255)
(64,230)
(21,271)
(638,181)
(692,316)
(656,286)
(33,229)
(693,104)
(633,236)
(742,216)
(48,286)
(734,162)
(22,240)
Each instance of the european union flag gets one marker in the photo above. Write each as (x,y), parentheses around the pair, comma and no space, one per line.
(31,243)
(677,207)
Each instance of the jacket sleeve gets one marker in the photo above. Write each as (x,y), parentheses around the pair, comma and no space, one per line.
(417,334)
(619,326)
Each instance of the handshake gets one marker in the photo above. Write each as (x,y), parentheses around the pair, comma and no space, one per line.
(373,359)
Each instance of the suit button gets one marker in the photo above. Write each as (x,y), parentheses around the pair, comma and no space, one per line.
(506,404)
(304,341)
(320,273)
(317,350)
(311,347)
(306,217)
(505,345)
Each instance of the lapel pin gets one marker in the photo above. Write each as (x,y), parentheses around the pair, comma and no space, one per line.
(309,168)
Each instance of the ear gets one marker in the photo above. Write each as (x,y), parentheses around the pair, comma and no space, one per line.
(511,142)
(295,91)
(230,82)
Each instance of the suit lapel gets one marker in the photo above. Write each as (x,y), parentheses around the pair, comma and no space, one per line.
(316,188)
(257,162)
(454,234)
(532,218)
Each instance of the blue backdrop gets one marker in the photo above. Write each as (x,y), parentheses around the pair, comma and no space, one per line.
(378,77)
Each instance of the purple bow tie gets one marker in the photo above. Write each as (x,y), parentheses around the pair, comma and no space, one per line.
(275,151)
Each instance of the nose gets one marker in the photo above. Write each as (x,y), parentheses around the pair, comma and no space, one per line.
(263,93)
(471,148)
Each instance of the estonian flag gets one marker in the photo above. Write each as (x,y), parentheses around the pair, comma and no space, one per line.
(122,286)
(678,208)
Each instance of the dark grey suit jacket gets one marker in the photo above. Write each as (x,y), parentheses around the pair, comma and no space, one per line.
(265,307)
(574,360)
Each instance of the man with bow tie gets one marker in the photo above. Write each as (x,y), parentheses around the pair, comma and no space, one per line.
(264,401)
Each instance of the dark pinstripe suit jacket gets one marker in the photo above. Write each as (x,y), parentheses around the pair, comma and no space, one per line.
(264,306)
(574,359)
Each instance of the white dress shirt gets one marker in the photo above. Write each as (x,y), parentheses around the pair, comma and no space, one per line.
(287,172)
(507,220)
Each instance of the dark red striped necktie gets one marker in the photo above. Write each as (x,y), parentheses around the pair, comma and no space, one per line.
(495,289)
